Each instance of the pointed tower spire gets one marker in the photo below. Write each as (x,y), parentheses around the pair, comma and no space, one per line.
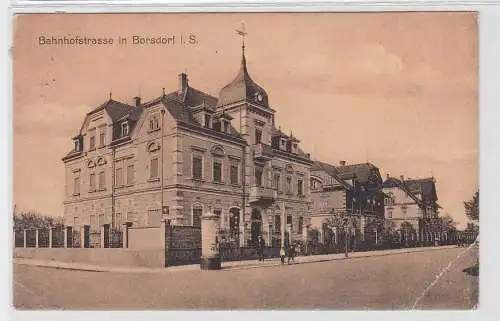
(242,33)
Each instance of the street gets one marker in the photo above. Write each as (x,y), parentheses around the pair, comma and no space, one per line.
(398,281)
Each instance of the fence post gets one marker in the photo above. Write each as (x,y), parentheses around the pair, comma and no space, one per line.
(125,235)
(82,236)
(24,239)
(50,237)
(36,238)
(102,237)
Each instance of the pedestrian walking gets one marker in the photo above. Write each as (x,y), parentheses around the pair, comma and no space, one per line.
(260,247)
(291,253)
(282,255)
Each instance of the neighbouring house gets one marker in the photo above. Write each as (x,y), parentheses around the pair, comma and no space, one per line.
(186,153)
(347,190)
(411,208)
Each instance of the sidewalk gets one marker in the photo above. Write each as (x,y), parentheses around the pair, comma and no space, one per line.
(236,265)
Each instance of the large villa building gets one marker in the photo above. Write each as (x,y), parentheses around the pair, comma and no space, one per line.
(187,153)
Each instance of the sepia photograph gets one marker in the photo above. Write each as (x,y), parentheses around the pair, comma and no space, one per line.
(257,161)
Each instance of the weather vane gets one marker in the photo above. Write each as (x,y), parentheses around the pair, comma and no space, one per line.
(242,33)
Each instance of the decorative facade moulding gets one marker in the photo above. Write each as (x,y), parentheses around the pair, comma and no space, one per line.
(217,150)
(101,161)
(91,164)
(153,146)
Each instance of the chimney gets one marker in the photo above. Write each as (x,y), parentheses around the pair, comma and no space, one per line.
(137,101)
(183,83)
(402,177)
(388,176)
(342,163)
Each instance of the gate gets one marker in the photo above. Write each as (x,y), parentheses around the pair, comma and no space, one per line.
(229,245)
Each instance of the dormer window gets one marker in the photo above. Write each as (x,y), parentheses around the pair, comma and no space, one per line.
(208,121)
(124,129)
(154,122)
(217,126)
(283,144)
(225,126)
(294,149)
(77,145)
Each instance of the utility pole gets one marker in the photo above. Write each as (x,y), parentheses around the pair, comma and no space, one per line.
(163,212)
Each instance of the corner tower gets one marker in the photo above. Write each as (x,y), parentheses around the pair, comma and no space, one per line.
(248,104)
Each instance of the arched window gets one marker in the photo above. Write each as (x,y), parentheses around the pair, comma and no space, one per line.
(196,215)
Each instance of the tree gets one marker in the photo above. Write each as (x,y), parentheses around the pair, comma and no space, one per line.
(35,220)
(472,207)
(447,222)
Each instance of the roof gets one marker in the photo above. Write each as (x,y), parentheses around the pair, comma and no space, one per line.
(330,170)
(414,187)
(425,187)
(115,109)
(243,88)
(364,173)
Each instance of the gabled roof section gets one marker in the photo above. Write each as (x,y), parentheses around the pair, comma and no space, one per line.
(365,173)
(115,109)
(330,170)
(392,182)
(426,187)
(184,113)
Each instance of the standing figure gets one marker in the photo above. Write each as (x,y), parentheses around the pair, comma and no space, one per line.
(260,247)
(291,253)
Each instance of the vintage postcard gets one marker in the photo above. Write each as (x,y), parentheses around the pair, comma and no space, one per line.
(245,161)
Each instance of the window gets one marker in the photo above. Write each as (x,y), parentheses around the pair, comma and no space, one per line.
(217,171)
(76,185)
(276,181)
(130,174)
(124,129)
(300,187)
(92,142)
(233,173)
(102,181)
(289,221)
(154,122)
(218,212)
(258,176)
(92,182)
(226,126)
(207,121)
(277,223)
(154,217)
(119,177)
(258,136)
(197,167)
(197,212)
(389,214)
(102,137)
(153,170)
(289,184)
(301,224)
(77,145)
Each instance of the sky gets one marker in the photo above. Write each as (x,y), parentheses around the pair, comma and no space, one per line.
(399,90)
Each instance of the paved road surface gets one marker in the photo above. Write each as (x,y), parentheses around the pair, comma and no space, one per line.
(398,281)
